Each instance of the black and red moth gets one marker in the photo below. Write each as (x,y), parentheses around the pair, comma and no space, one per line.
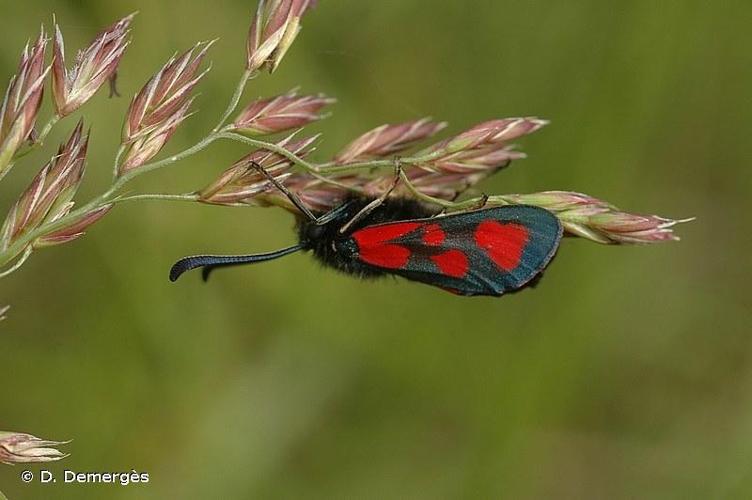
(489,251)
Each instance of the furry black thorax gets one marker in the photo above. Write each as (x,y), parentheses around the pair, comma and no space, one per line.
(325,241)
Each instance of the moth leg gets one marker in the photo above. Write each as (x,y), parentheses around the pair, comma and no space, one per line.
(481,202)
(378,201)
(422,196)
(446,205)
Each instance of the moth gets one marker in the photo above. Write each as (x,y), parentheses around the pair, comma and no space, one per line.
(488,251)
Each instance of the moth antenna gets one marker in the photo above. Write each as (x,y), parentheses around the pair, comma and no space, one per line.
(289,194)
(211,262)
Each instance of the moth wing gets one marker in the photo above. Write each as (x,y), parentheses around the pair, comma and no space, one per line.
(484,252)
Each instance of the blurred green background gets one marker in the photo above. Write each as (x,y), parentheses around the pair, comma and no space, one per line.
(625,374)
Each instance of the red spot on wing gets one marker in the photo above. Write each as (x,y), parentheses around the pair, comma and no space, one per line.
(433,235)
(503,242)
(373,247)
(388,256)
(453,263)
(374,235)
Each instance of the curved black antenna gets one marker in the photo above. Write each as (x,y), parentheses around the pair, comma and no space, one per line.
(211,262)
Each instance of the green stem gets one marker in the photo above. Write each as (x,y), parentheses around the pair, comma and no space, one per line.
(319,171)
(11,157)
(234,100)
(25,242)
(143,169)
(4,171)
(422,196)
(326,168)
(40,137)
(47,128)
(270,146)
(334,168)
(18,263)
(158,196)
(116,165)
(98,202)
(312,169)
